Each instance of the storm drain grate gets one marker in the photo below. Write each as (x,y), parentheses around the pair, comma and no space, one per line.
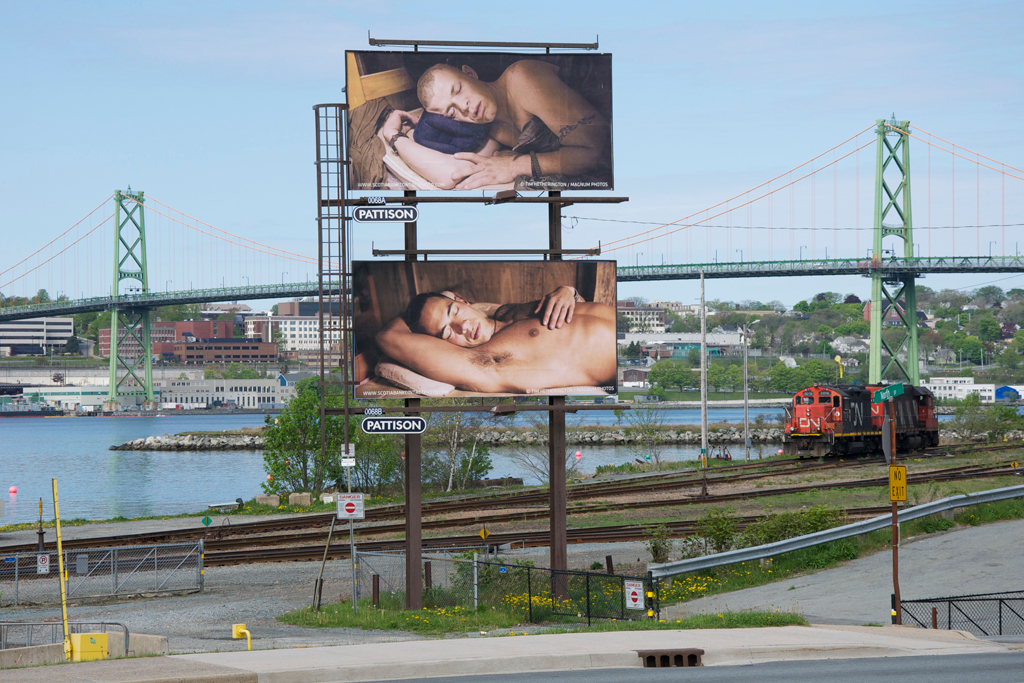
(663,659)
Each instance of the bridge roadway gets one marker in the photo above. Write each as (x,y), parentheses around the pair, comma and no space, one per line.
(893,267)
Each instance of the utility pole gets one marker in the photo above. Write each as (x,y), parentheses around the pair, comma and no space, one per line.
(746,415)
(703,388)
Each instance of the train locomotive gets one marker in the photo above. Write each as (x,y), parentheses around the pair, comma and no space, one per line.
(842,420)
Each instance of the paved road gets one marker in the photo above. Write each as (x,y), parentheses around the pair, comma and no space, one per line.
(957,562)
(989,668)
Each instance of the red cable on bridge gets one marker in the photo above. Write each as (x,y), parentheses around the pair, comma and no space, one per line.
(57,238)
(40,265)
(757,187)
(213,227)
(756,199)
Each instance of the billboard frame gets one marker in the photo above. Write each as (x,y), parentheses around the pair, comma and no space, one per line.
(332,170)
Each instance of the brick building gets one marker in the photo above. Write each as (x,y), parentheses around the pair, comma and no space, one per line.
(219,350)
(164,334)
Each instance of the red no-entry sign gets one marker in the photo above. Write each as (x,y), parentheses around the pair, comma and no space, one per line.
(350,506)
(634,591)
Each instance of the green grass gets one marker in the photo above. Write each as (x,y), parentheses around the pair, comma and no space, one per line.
(696,621)
(497,620)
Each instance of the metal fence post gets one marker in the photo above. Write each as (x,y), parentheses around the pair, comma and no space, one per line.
(476,582)
(113,569)
(156,567)
(202,571)
(17,559)
(529,594)
(588,598)
(1000,616)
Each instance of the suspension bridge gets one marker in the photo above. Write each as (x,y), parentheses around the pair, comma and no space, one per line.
(777,220)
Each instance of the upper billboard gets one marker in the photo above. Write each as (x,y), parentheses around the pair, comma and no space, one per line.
(483,328)
(479,121)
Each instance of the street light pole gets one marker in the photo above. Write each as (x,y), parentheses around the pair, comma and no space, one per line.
(802,247)
(638,255)
(282,276)
(741,255)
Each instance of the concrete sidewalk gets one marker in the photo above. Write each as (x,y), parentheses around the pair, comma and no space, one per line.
(557,652)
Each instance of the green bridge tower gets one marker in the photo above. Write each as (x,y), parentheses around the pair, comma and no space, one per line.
(130,264)
(892,202)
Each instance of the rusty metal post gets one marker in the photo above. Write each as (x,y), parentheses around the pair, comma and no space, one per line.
(935,618)
(428,581)
(376,590)
(608,564)
(556,427)
(896,565)
(413,485)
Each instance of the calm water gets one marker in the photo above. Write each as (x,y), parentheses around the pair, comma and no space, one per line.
(97,483)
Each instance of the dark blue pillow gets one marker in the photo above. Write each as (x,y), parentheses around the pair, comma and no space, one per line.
(448,135)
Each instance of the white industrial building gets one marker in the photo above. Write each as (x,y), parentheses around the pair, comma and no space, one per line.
(959,388)
(34,335)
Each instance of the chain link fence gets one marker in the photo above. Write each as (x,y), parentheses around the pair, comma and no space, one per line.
(32,578)
(471,580)
(983,614)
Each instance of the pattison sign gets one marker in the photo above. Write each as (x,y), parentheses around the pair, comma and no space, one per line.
(385,214)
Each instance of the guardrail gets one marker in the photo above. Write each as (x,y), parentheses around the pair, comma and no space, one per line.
(33,627)
(759,552)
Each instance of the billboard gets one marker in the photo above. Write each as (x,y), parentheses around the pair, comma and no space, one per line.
(478,121)
(483,328)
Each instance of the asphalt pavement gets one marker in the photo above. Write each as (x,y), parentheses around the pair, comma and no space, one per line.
(961,561)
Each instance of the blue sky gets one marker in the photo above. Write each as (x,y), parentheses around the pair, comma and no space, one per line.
(207,107)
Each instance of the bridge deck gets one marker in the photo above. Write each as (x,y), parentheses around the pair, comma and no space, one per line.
(690,271)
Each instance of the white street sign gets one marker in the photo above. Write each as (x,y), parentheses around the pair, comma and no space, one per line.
(634,594)
(43,564)
(350,506)
(348,462)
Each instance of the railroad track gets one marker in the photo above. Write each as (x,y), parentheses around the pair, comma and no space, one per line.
(276,531)
(529,539)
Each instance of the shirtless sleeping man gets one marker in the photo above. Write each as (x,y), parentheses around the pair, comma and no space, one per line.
(528,95)
(514,348)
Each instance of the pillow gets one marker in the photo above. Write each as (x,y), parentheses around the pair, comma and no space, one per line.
(407,379)
(448,135)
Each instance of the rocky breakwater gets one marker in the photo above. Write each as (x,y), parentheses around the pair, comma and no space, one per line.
(626,436)
(193,442)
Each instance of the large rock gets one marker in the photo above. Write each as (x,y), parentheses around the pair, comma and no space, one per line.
(272,500)
(300,499)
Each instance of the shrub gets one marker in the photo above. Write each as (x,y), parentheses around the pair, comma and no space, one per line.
(659,543)
(718,529)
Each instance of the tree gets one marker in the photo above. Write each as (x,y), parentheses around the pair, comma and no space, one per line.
(291,454)
(854,299)
(988,329)
(693,357)
(449,431)
(531,452)
(621,322)
(991,293)
(273,309)
(969,418)
(647,427)
(72,345)
(1010,358)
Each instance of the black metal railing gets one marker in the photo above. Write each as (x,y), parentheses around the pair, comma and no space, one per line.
(983,614)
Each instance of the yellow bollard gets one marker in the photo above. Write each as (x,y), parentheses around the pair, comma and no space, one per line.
(239,630)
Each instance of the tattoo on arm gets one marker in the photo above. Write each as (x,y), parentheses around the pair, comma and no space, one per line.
(566,130)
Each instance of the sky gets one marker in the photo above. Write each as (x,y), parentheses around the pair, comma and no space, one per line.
(207,106)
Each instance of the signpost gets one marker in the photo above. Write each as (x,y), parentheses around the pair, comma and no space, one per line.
(351,507)
(897,494)
(634,591)
(43,563)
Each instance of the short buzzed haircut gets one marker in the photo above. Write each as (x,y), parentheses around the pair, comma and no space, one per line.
(426,82)
(414,311)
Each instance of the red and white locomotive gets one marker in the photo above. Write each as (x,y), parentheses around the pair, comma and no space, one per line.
(842,420)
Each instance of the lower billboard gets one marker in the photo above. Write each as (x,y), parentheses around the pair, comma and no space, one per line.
(483,328)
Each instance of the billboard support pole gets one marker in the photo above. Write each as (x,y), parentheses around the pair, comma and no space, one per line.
(413,485)
(556,431)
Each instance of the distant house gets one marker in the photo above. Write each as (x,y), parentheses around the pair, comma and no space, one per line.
(1007,330)
(849,345)
(634,377)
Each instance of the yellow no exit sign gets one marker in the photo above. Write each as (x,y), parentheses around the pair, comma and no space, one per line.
(898,483)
